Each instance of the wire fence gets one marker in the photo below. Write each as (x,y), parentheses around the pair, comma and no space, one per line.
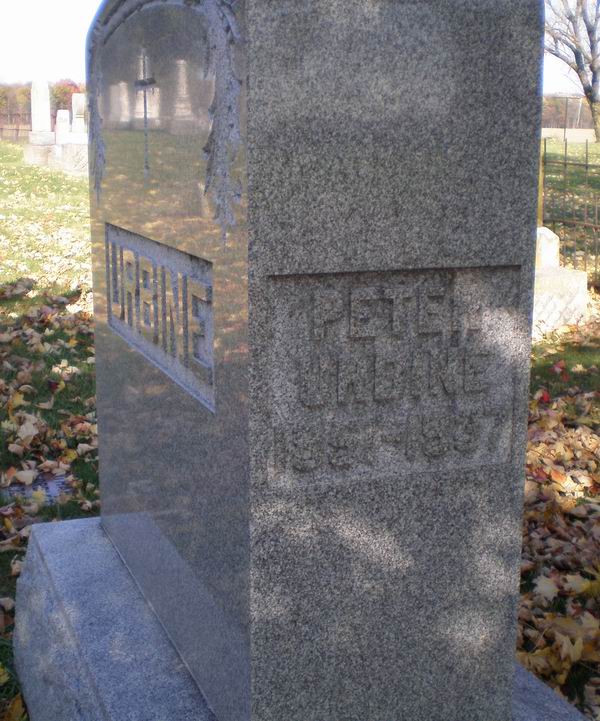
(571,205)
(15,126)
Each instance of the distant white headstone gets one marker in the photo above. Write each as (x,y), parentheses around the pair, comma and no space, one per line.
(547,249)
(154,107)
(63,126)
(182,103)
(41,122)
(124,107)
(78,104)
(561,294)
(183,118)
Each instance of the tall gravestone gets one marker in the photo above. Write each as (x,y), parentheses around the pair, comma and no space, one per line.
(41,120)
(313,321)
(41,137)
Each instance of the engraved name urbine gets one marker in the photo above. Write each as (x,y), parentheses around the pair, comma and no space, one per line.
(160,302)
(384,372)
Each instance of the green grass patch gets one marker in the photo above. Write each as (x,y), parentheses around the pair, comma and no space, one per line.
(560,365)
(44,226)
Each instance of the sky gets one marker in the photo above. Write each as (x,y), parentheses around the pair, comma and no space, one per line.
(45,40)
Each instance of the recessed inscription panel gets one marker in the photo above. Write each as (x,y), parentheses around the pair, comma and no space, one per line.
(160,302)
(375,374)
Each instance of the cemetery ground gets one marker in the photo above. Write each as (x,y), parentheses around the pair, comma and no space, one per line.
(48,464)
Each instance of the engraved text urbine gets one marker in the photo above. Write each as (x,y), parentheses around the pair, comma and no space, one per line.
(391,372)
(160,301)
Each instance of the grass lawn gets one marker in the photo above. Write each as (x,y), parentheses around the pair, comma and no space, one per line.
(577,175)
(44,226)
(579,353)
(48,428)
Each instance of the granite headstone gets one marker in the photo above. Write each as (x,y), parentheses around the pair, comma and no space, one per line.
(63,126)
(41,138)
(41,120)
(313,294)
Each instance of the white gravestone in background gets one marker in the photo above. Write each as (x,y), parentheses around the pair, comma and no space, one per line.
(70,154)
(183,117)
(79,129)
(63,127)
(124,107)
(114,102)
(561,294)
(41,121)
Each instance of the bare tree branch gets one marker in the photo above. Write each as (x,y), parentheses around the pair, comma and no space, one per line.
(572,28)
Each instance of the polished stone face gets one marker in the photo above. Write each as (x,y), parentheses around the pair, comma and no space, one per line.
(312,431)
(170,259)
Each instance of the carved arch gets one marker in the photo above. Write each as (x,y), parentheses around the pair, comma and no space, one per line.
(224,139)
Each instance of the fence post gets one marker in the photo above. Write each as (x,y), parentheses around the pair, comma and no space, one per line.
(540,218)
(595,239)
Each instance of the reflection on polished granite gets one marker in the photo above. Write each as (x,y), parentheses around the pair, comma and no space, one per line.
(174,472)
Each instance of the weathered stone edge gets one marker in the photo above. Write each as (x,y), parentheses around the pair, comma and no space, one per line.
(534,701)
(89,648)
(87,645)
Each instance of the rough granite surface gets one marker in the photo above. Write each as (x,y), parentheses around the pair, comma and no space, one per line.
(534,701)
(393,157)
(89,648)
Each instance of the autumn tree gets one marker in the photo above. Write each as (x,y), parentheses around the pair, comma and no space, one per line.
(572,36)
(22,95)
(61,93)
(4,101)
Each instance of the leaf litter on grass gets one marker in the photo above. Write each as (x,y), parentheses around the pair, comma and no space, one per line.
(559,614)
(48,444)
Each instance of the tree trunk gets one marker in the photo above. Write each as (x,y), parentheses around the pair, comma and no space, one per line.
(595,108)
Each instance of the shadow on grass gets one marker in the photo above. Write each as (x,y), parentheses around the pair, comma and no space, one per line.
(561,364)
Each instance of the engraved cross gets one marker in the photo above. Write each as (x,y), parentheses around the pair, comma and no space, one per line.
(144,84)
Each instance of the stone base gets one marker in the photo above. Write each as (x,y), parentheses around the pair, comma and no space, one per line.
(87,645)
(41,137)
(71,158)
(534,701)
(37,154)
(561,298)
(89,648)
(80,138)
(63,137)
